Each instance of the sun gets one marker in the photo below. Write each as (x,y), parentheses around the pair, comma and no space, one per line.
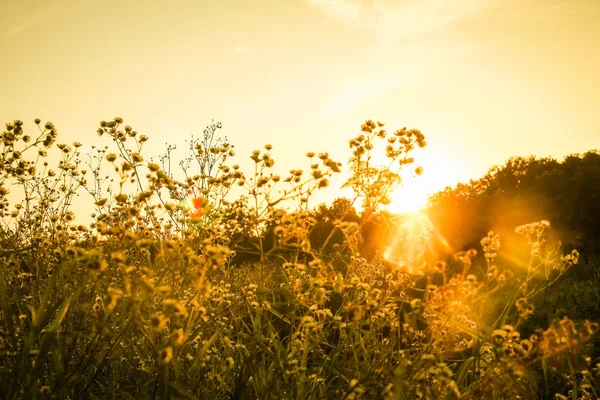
(414,191)
(409,198)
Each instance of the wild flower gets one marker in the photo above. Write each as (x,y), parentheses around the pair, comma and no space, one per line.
(174,280)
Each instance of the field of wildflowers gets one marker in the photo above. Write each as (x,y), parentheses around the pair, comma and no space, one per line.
(154,299)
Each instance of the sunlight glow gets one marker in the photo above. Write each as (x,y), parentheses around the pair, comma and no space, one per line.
(411,241)
(439,171)
(415,244)
(409,198)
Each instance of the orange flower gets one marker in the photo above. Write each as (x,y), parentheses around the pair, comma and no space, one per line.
(198,203)
(196,215)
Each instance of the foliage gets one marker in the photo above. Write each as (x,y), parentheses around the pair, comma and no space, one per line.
(523,190)
(146,301)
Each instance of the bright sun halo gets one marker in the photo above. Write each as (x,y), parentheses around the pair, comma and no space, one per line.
(412,194)
(410,197)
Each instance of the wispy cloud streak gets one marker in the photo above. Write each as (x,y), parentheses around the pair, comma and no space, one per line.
(35,18)
(411,35)
(399,20)
(360,93)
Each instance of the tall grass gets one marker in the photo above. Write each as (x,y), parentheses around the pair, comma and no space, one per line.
(145,302)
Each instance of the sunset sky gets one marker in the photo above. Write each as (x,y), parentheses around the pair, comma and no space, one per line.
(482,79)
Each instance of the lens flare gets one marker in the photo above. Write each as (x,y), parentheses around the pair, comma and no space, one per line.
(416,243)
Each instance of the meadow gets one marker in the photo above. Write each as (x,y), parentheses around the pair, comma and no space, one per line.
(187,289)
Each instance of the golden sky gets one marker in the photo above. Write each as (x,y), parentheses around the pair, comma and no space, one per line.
(483,79)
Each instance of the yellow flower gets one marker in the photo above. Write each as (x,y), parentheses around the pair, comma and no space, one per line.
(165,355)
(157,322)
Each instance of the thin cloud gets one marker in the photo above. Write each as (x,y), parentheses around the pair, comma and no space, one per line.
(242,49)
(360,93)
(34,19)
(342,10)
(399,20)
(400,27)
(409,20)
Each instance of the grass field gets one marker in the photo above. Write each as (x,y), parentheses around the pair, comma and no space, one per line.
(178,289)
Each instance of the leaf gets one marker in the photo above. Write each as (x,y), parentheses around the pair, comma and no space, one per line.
(461,374)
(5,304)
(209,343)
(40,316)
(61,314)
(279,315)
(182,392)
